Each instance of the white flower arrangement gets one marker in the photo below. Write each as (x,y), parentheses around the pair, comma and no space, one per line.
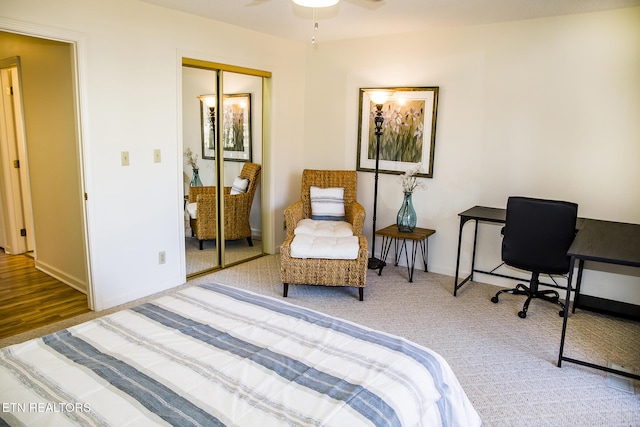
(192,159)
(409,180)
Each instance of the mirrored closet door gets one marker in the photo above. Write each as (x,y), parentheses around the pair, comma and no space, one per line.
(222,110)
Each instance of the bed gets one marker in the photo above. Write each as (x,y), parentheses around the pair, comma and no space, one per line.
(214,355)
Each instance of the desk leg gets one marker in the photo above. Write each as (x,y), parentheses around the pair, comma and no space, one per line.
(566,310)
(578,283)
(455,284)
(473,255)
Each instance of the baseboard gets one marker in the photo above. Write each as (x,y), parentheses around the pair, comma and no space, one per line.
(610,307)
(74,282)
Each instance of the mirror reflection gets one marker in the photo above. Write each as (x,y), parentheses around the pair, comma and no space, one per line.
(231,119)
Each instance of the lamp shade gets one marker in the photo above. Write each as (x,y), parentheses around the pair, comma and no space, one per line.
(209,100)
(379,96)
(316,3)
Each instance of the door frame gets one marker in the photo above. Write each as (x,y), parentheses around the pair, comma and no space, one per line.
(220,68)
(77,43)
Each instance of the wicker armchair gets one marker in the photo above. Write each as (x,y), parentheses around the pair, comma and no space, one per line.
(236,209)
(318,271)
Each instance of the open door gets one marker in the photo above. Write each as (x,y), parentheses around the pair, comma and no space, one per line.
(16,223)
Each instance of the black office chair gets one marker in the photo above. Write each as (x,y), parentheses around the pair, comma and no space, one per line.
(537,236)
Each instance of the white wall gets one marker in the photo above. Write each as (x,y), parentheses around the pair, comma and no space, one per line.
(130,54)
(546,108)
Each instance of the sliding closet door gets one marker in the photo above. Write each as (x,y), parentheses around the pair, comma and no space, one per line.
(242,154)
(223,126)
(200,170)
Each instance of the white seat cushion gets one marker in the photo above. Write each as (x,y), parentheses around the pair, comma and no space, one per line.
(314,227)
(192,208)
(324,247)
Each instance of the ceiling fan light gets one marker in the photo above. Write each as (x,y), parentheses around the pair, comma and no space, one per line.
(316,3)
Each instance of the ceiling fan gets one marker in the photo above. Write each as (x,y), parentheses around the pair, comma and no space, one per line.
(325,3)
(322,3)
(319,4)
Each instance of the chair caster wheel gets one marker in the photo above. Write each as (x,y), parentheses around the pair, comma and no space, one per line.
(494,300)
(522,314)
(561,313)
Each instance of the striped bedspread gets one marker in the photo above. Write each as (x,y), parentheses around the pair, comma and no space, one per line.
(213,355)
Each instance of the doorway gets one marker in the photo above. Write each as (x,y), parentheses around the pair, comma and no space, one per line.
(223,123)
(51,160)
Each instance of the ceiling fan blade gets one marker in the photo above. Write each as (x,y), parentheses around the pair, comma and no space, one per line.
(256,3)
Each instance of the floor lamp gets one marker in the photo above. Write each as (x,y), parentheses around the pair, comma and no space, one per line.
(378,97)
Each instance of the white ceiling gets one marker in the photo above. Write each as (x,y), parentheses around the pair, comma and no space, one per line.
(364,18)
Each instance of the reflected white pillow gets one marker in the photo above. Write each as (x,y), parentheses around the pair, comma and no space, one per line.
(240,185)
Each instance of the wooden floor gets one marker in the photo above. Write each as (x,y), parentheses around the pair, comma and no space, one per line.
(30,299)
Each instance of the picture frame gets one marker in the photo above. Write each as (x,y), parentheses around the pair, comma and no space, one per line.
(408,131)
(208,129)
(236,129)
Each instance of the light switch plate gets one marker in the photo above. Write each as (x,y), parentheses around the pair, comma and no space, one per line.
(157,156)
(124,158)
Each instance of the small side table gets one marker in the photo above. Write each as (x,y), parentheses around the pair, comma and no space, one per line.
(418,236)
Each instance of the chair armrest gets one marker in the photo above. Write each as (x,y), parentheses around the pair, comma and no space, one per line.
(355,214)
(285,248)
(206,210)
(293,214)
(236,206)
(195,192)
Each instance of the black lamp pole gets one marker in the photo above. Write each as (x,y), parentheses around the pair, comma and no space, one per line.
(212,118)
(375,263)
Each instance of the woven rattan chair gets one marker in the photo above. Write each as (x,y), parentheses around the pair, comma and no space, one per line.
(236,209)
(318,271)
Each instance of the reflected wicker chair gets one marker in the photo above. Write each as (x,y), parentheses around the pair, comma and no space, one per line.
(236,209)
(318,271)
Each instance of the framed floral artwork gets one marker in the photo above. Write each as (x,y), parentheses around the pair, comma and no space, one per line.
(408,132)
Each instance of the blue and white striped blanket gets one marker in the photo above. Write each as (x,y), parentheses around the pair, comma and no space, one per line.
(215,355)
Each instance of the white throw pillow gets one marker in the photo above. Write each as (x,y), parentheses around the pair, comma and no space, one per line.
(327,203)
(240,185)
(192,210)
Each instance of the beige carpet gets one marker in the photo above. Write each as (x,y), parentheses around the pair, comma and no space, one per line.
(236,250)
(507,365)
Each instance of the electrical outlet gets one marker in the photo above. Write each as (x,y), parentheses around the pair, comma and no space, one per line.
(157,157)
(162,257)
(124,158)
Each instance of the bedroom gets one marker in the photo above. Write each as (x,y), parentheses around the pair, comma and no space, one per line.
(575,74)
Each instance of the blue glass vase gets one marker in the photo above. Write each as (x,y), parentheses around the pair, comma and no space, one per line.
(406,219)
(195,181)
